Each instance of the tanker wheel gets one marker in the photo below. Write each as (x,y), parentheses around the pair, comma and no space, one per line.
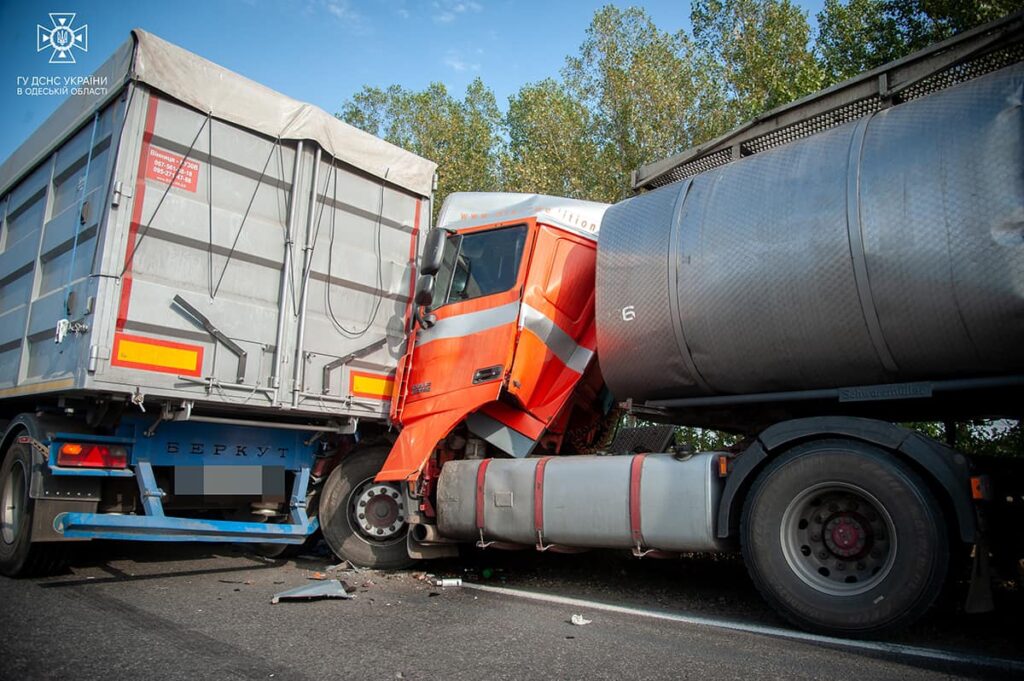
(843,539)
(19,557)
(361,520)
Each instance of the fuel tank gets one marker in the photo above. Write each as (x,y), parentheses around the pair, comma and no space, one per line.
(888,249)
(646,501)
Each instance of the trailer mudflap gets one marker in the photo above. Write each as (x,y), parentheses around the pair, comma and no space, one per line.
(48,509)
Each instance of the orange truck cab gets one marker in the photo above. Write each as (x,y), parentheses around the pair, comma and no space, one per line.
(501,347)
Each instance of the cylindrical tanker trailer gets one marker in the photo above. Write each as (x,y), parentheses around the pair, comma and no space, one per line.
(808,281)
(888,249)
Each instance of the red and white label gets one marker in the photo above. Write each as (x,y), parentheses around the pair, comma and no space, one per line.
(163,166)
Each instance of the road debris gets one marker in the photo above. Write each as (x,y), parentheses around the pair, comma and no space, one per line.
(448,581)
(331,588)
(580,620)
(344,566)
(319,576)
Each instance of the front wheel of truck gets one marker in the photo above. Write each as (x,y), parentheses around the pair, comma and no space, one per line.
(844,539)
(361,520)
(19,557)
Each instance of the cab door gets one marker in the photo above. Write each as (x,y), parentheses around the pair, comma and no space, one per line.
(460,360)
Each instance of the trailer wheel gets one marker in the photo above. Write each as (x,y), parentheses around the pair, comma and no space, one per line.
(283,551)
(361,520)
(844,539)
(19,557)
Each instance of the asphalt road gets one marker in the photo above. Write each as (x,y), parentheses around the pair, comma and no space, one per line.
(136,611)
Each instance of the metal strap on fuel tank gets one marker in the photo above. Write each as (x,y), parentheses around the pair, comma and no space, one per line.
(859,257)
(481,475)
(636,468)
(538,502)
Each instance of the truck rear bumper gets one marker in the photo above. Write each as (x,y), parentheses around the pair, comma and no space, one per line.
(150,528)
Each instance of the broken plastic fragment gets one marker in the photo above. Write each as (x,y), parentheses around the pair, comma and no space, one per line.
(331,588)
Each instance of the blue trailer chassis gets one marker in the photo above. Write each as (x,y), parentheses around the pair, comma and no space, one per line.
(192,444)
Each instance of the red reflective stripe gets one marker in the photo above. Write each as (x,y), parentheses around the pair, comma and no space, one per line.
(413,241)
(538,496)
(635,469)
(136,220)
(481,473)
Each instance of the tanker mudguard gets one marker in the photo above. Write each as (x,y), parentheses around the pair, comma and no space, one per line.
(940,464)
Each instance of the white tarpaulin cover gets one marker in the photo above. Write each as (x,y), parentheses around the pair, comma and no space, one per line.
(466,209)
(226,96)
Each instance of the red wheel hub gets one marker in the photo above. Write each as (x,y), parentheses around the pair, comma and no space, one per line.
(846,535)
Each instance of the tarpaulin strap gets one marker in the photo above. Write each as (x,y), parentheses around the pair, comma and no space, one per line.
(538,501)
(481,474)
(635,471)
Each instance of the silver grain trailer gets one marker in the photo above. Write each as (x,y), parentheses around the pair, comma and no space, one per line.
(204,288)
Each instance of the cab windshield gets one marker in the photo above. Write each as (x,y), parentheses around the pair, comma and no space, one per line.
(479,264)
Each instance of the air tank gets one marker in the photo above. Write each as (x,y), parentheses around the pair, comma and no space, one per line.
(888,249)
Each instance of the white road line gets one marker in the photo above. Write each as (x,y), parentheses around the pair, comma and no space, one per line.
(933,654)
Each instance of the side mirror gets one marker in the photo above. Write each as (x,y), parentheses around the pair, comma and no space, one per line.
(433,251)
(424,291)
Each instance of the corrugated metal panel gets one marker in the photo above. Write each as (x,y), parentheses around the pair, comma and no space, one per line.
(207,213)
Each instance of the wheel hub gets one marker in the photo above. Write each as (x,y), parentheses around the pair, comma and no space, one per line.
(845,535)
(378,510)
(838,538)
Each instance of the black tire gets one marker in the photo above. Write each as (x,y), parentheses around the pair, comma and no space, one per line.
(19,557)
(338,511)
(815,535)
(285,551)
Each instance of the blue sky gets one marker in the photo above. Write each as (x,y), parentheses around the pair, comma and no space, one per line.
(319,51)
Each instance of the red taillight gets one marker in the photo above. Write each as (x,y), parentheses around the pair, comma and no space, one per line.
(87,455)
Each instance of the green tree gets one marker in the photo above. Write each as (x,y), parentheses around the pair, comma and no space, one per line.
(551,146)
(858,35)
(462,136)
(763,51)
(705,439)
(980,437)
(648,92)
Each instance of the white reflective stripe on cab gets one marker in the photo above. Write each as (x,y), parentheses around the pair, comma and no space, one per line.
(560,343)
(564,346)
(469,323)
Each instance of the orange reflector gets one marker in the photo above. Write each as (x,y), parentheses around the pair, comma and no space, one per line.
(375,386)
(723,466)
(75,455)
(155,354)
(979,488)
(71,449)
